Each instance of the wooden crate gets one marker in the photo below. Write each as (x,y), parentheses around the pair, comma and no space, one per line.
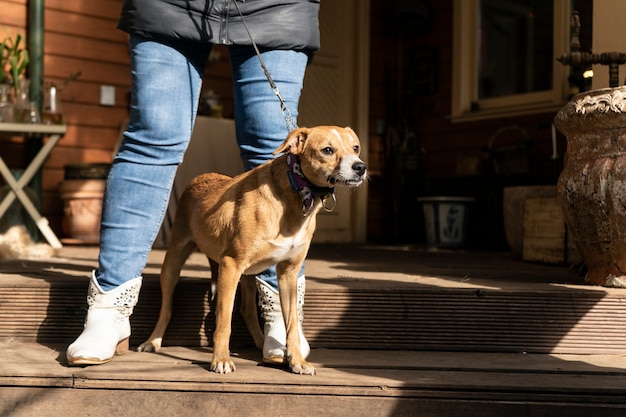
(545,235)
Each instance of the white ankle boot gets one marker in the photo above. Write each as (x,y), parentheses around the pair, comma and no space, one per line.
(275,333)
(107,326)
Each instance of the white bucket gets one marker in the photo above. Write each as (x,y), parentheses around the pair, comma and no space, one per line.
(445,220)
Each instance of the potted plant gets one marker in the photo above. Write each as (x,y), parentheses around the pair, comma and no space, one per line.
(3,61)
(15,57)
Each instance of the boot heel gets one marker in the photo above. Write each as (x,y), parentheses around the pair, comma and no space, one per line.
(122,347)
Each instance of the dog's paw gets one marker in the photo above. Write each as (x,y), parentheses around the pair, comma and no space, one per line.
(149,346)
(303,368)
(225,366)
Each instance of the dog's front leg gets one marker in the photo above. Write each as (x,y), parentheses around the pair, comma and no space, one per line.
(226,290)
(288,293)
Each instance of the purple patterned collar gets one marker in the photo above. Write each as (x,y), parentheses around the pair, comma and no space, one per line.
(308,192)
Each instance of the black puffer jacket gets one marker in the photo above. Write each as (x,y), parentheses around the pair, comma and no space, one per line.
(277,24)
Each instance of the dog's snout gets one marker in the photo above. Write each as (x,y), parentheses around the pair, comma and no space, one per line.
(359,168)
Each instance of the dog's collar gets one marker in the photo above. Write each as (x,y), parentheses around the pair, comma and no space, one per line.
(308,192)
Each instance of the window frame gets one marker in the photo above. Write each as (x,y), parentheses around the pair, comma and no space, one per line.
(465,69)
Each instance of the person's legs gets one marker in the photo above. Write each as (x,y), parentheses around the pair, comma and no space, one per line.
(166,81)
(261,128)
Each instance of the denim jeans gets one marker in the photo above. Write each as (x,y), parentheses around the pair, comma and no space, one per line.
(166,82)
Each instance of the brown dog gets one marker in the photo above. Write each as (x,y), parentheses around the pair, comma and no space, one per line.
(263,217)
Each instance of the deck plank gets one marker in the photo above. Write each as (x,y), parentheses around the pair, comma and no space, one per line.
(357,297)
(359,369)
(351,377)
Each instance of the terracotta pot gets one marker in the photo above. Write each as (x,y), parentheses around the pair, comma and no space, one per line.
(592,186)
(82,207)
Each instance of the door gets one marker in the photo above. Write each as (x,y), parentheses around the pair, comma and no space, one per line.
(336,93)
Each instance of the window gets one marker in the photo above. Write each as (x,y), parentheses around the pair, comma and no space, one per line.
(505,57)
(515,48)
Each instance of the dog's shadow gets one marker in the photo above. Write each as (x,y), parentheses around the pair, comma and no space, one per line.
(201,357)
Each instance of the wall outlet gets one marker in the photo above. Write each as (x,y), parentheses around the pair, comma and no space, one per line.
(107,95)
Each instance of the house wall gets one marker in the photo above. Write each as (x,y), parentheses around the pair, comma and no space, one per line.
(81,35)
(410,95)
(608,14)
(430,155)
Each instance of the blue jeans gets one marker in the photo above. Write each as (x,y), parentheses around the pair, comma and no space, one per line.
(166,82)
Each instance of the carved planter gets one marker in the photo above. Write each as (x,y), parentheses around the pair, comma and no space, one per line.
(82,208)
(592,186)
(82,192)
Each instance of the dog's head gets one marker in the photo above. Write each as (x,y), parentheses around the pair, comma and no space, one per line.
(329,155)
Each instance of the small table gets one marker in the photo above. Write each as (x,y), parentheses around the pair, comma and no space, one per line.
(54,134)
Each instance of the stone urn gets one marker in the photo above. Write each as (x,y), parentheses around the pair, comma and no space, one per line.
(592,185)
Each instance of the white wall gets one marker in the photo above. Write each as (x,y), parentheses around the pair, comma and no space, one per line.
(609,35)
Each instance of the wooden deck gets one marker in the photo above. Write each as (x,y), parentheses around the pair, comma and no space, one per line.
(394,331)
(177,382)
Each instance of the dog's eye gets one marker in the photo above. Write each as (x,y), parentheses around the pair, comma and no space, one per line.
(356,148)
(328,150)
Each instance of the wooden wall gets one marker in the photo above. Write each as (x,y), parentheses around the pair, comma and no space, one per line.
(81,35)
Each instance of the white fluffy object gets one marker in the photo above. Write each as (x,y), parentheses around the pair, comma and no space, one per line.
(16,243)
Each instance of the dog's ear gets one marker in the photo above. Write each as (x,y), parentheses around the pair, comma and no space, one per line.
(294,142)
(352,132)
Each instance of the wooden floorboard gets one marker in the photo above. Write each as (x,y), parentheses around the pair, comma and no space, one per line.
(348,381)
(345,266)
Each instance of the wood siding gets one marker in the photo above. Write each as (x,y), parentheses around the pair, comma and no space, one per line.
(81,35)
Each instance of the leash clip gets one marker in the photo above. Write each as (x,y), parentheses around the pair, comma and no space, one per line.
(325,198)
(306,210)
